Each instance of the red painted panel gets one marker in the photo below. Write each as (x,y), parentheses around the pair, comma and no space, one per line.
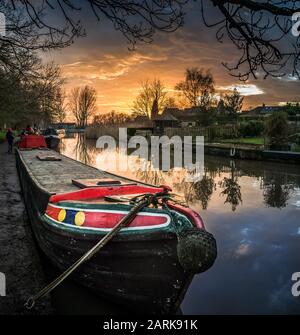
(192,215)
(108,220)
(101,192)
(32,142)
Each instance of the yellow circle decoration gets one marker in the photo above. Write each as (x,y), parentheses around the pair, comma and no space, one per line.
(62,215)
(79,218)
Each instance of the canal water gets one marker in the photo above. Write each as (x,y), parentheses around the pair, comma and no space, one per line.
(253,210)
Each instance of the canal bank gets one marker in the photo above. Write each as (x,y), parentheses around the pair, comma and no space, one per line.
(252,153)
(231,150)
(19,258)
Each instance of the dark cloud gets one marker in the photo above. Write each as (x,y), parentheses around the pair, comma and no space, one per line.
(102,59)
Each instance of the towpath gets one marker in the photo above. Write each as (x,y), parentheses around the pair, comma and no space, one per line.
(19,259)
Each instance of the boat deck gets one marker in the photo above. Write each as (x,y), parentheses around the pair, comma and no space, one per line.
(56,176)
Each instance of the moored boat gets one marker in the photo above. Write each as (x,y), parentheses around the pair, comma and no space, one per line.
(31,142)
(148,264)
(52,138)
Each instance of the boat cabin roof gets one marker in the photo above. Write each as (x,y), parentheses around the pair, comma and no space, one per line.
(56,176)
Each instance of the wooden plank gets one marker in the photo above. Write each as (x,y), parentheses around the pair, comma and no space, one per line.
(99,182)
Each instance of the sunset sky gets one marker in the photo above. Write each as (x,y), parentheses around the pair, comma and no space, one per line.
(102,60)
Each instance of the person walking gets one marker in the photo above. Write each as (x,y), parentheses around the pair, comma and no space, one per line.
(10,140)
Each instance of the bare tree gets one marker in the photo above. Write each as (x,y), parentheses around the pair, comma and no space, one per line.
(197,87)
(83,104)
(45,89)
(30,100)
(60,113)
(112,118)
(151,99)
(261,31)
(30,24)
(171,103)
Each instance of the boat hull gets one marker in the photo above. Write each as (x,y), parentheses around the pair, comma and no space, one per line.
(52,141)
(138,270)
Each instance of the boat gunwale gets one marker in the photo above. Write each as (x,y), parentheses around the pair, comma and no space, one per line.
(32,176)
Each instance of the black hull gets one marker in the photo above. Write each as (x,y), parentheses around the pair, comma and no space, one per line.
(141,271)
(52,141)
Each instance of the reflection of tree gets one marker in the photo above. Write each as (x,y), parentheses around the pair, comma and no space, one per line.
(277,190)
(62,146)
(84,151)
(232,190)
(195,191)
(204,189)
(192,191)
(146,173)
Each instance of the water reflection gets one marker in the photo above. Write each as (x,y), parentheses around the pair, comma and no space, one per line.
(231,188)
(277,190)
(253,210)
(224,179)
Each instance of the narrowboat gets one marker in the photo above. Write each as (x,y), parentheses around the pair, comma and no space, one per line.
(52,138)
(148,265)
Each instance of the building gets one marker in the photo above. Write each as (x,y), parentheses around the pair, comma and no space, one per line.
(187,117)
(165,120)
(260,112)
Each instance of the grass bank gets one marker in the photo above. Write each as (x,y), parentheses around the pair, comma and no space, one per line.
(249,140)
(2,136)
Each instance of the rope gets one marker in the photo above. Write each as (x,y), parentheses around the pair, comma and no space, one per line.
(139,203)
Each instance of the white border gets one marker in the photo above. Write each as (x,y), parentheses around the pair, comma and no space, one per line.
(110,211)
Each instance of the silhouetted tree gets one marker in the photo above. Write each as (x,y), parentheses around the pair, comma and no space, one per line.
(30,24)
(112,118)
(47,90)
(197,87)
(83,104)
(261,31)
(277,128)
(233,103)
(34,99)
(258,29)
(60,113)
(151,99)
(171,103)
